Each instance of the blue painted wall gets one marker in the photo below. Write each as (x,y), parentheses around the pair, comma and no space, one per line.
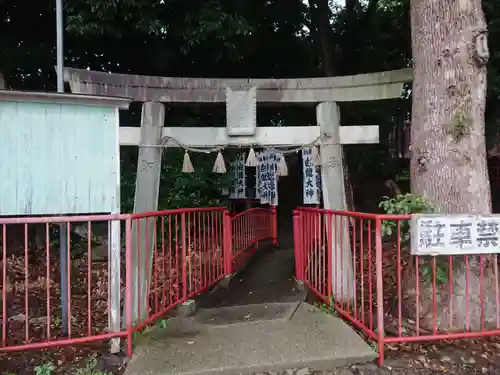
(58,158)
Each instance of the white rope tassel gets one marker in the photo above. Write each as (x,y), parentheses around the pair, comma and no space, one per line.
(282,167)
(252,159)
(219,165)
(187,166)
(315,156)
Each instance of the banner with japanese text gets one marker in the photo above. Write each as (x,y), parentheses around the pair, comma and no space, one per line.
(311,178)
(238,177)
(267,171)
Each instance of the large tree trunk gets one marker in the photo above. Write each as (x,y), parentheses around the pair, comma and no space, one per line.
(448,162)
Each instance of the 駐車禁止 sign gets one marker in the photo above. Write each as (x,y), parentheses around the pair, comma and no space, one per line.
(435,234)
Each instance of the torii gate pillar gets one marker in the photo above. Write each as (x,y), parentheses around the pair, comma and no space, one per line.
(334,198)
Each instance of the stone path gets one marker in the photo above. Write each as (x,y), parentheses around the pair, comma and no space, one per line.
(248,339)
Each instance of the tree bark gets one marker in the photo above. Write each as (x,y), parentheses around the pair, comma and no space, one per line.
(448,151)
(449,93)
(320,15)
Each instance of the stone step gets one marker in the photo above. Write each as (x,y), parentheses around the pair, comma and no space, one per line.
(222,316)
(309,338)
(185,326)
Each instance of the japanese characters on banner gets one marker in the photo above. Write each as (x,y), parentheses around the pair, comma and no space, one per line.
(238,177)
(258,155)
(318,182)
(267,171)
(434,234)
(311,178)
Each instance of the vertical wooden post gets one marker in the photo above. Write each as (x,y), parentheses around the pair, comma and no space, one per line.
(147,188)
(114,258)
(334,198)
(114,252)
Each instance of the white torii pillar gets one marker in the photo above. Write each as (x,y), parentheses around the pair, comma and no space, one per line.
(334,194)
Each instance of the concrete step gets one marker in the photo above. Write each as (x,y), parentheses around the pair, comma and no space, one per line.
(308,337)
(223,316)
(186,326)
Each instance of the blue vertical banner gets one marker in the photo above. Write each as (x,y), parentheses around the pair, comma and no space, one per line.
(318,182)
(264,179)
(274,159)
(238,177)
(267,170)
(259,156)
(311,178)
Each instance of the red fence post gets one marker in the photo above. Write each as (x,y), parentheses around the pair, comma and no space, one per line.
(184,258)
(329,253)
(128,285)
(274,226)
(380,290)
(228,244)
(297,245)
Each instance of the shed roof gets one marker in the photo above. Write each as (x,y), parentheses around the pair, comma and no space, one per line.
(64,98)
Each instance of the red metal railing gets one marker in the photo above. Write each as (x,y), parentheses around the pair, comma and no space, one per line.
(57,293)
(46,303)
(388,294)
(184,253)
(252,226)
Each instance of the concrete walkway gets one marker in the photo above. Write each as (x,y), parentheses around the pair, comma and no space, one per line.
(269,277)
(248,339)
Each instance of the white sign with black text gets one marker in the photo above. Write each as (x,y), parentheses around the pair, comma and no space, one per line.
(460,234)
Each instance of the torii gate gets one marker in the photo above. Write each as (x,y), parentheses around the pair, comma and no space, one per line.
(241,96)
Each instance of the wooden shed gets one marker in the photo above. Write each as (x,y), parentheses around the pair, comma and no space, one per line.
(59,153)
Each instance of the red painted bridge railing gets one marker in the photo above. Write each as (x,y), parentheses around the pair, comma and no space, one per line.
(57,293)
(251,227)
(391,296)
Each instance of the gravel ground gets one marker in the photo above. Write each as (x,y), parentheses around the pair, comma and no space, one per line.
(374,370)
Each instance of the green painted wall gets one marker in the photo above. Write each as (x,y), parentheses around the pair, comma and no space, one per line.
(58,158)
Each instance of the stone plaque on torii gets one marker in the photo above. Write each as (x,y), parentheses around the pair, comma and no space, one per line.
(241,97)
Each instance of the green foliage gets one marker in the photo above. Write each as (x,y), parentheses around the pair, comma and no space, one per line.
(460,125)
(141,334)
(177,189)
(403,205)
(327,307)
(412,204)
(442,271)
(90,368)
(45,369)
